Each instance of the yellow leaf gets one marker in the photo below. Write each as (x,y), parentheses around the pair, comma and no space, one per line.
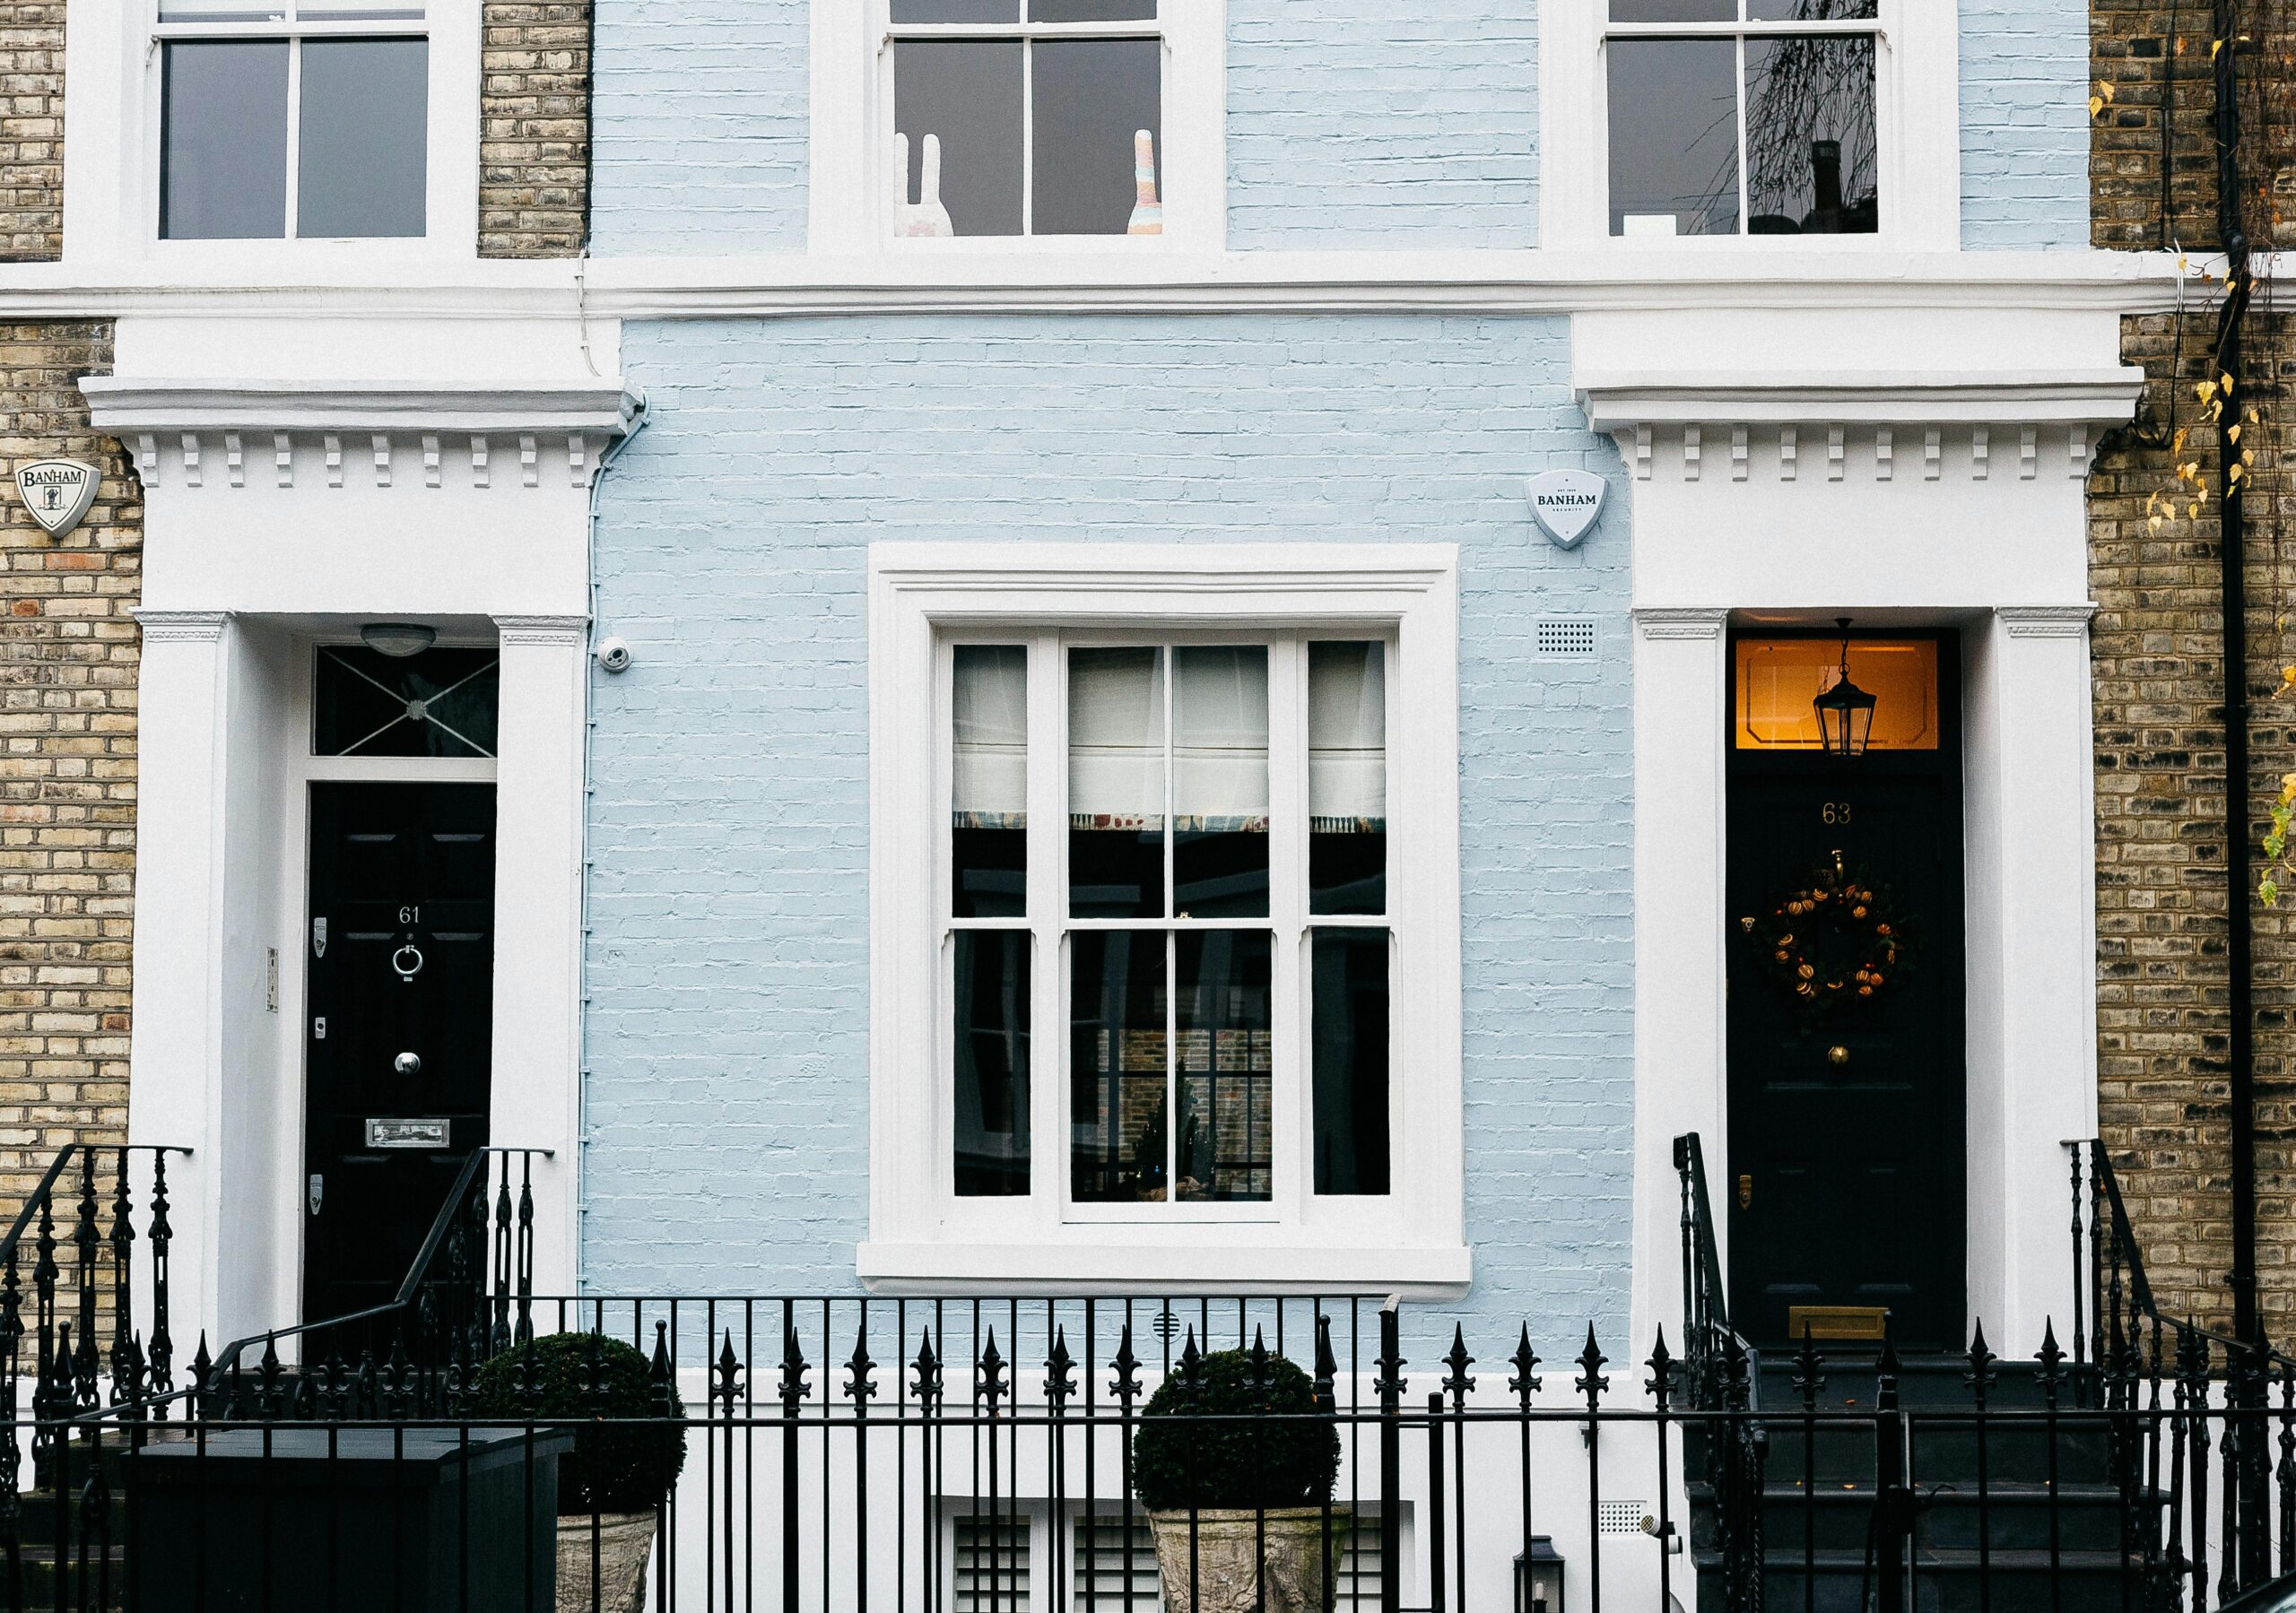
(2156,524)
(2105,89)
(2226,382)
(2193,513)
(2247,457)
(2177,447)
(2214,46)
(2233,472)
(2096,105)
(2233,433)
(2203,390)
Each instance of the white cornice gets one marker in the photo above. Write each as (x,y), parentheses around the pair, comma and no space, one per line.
(1680,622)
(1736,275)
(557,630)
(199,627)
(1619,402)
(2046,621)
(123,405)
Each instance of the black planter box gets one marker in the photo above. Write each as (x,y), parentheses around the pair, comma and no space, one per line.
(422,1521)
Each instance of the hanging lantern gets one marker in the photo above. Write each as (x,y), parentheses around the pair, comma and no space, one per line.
(1845,711)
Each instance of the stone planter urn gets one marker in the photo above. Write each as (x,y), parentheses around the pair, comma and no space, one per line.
(625,1542)
(1227,1553)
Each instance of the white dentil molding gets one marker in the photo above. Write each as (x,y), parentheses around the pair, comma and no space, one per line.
(1680,622)
(2046,621)
(560,630)
(190,627)
(1620,400)
(127,404)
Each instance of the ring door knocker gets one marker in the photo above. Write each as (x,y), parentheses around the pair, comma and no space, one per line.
(408,961)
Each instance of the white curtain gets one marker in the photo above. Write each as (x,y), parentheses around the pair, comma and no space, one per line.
(1116,735)
(1347,733)
(991,720)
(1220,736)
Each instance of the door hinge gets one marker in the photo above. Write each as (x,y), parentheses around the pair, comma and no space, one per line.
(318,938)
(271,980)
(1745,1192)
(319,1027)
(316,1191)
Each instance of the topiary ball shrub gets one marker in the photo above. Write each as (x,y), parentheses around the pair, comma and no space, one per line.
(610,1469)
(1269,1447)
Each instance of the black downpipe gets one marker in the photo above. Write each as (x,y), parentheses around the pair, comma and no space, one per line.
(2232,315)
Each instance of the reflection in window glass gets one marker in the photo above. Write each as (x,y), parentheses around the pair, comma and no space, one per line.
(1674,143)
(1778,678)
(1347,779)
(1226,1072)
(1813,10)
(1091,11)
(1116,783)
(988,829)
(1348,997)
(1219,782)
(991,998)
(223,139)
(1674,11)
(1118,1131)
(1092,99)
(360,162)
(956,11)
(1811,156)
(967,94)
(438,703)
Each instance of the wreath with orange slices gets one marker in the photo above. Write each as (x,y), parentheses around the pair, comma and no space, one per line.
(1832,943)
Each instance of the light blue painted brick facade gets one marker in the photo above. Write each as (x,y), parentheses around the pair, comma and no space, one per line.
(2024,123)
(727,970)
(1360,123)
(1368,124)
(700,126)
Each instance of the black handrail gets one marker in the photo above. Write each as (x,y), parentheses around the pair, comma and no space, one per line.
(462,1216)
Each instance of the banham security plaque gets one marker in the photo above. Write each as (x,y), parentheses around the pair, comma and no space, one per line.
(1566,503)
(57,492)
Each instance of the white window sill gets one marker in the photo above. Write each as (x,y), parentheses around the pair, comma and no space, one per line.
(1165,1266)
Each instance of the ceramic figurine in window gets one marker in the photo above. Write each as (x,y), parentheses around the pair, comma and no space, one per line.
(1147,212)
(926,217)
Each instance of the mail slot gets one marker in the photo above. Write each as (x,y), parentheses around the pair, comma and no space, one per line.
(384,1132)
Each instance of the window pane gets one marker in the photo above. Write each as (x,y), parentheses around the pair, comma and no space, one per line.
(956,11)
(223,141)
(1813,10)
(1091,11)
(1778,678)
(992,1062)
(438,703)
(966,92)
(1093,97)
(1673,138)
(1118,1132)
(988,829)
(1226,1076)
(1347,779)
(1810,145)
(1674,11)
(360,162)
(1116,783)
(1349,1003)
(1219,782)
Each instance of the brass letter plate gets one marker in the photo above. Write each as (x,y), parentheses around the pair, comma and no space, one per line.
(407,1134)
(1868,1323)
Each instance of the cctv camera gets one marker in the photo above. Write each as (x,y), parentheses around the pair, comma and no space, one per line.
(614,655)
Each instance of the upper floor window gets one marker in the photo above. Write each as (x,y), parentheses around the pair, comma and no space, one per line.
(1744,117)
(1027,117)
(293,118)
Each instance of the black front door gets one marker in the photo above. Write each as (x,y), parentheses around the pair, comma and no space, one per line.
(400,947)
(1844,1189)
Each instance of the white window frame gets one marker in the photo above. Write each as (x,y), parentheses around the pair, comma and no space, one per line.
(115,110)
(926,597)
(1917,71)
(852,196)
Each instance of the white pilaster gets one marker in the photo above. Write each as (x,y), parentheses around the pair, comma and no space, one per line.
(175,1050)
(2033,998)
(538,921)
(1681,695)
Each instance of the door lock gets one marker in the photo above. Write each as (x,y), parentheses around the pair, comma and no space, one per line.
(1745,1192)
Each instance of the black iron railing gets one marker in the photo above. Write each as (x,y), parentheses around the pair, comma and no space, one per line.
(1721,1373)
(467,1296)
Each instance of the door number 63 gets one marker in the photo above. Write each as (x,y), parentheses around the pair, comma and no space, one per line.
(1835,811)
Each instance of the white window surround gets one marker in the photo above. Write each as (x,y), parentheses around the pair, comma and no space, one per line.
(851,145)
(922,1237)
(112,163)
(1917,92)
